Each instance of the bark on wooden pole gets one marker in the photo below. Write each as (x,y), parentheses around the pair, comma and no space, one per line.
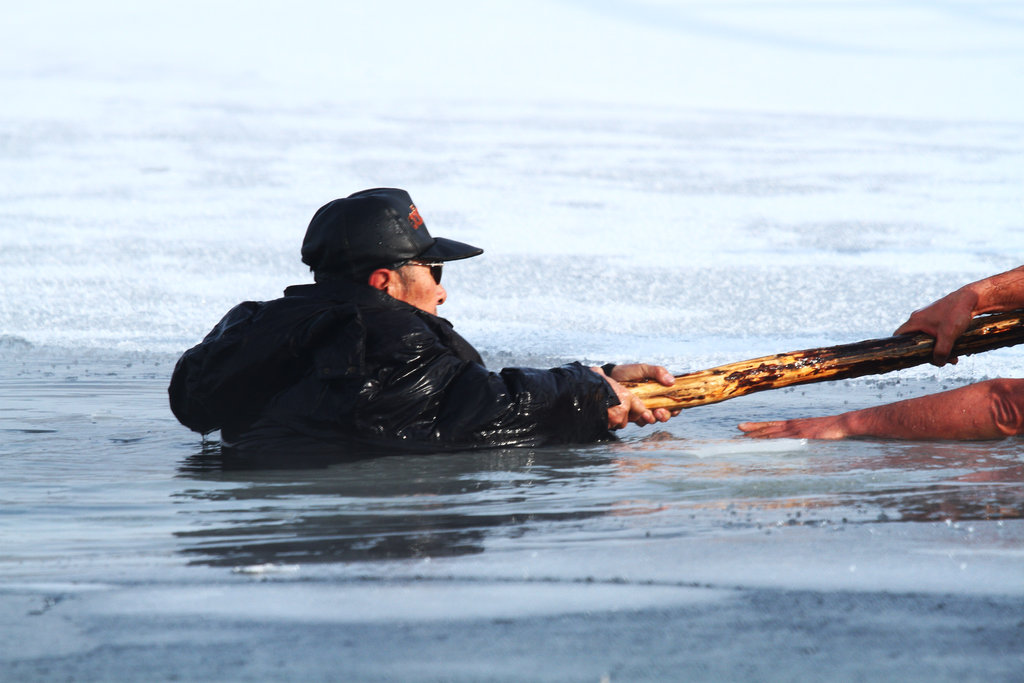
(870,357)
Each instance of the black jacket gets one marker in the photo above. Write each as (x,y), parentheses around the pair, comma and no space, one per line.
(349,366)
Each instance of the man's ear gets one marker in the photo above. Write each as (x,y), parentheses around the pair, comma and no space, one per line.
(381,279)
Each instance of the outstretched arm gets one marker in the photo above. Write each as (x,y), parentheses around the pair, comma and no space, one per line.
(993,409)
(947,318)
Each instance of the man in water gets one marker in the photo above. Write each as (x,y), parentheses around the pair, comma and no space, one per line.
(360,361)
(993,409)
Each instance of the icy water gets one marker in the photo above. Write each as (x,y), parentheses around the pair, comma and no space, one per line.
(820,175)
(674,553)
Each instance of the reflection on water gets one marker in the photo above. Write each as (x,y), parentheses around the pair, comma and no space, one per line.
(850,481)
(975,481)
(659,484)
(393,507)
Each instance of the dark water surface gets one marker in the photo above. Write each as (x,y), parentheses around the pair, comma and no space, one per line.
(681,183)
(120,528)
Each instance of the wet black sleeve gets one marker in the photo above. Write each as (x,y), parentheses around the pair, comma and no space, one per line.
(425,394)
(193,391)
(528,406)
(255,354)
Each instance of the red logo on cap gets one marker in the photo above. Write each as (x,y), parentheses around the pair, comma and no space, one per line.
(415,218)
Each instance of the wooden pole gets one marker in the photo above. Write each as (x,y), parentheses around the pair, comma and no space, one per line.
(870,357)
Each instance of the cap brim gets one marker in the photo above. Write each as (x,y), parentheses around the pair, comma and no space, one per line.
(449,250)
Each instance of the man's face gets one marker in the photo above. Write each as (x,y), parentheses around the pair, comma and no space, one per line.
(416,287)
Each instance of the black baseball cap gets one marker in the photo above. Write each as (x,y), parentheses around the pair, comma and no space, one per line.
(351,237)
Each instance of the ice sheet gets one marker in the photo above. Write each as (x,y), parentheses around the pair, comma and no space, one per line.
(686,182)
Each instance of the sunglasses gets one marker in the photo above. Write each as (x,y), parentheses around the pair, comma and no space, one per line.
(435,268)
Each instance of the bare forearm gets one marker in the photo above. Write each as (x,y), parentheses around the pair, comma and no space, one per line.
(989,410)
(1002,292)
(947,318)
